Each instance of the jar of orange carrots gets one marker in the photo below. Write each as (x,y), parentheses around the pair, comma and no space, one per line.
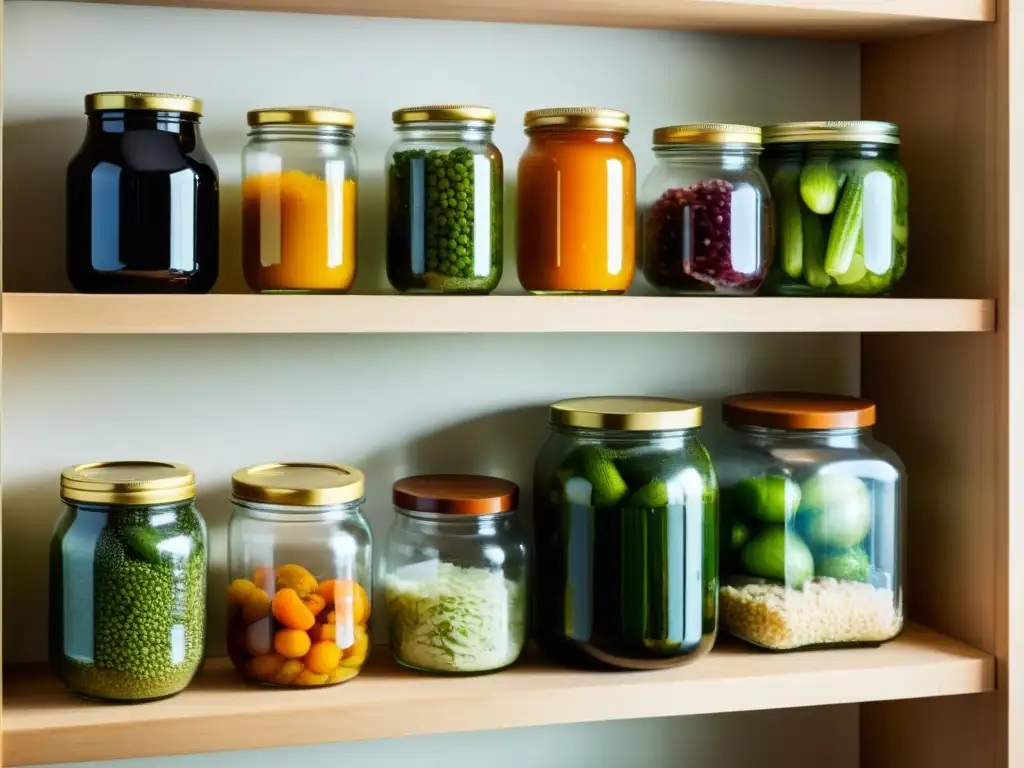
(299,552)
(577,183)
(299,200)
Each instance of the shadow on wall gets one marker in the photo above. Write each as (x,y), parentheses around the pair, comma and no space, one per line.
(36,155)
(483,445)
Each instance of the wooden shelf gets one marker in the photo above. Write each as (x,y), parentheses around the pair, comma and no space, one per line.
(43,724)
(66,313)
(848,19)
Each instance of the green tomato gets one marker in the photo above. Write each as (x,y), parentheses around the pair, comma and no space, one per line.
(776,553)
(835,511)
(851,565)
(772,498)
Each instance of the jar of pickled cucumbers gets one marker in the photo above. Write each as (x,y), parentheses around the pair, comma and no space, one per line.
(625,534)
(456,565)
(812,523)
(841,202)
(300,565)
(444,186)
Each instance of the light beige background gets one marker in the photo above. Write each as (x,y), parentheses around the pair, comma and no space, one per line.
(390,404)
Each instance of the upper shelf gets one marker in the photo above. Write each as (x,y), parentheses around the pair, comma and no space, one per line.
(42,724)
(69,313)
(849,19)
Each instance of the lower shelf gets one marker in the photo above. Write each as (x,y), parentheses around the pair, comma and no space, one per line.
(43,724)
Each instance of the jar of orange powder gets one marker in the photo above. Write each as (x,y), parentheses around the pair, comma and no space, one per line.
(299,200)
(577,183)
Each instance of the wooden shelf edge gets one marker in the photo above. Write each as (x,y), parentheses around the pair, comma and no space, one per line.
(69,313)
(843,19)
(42,724)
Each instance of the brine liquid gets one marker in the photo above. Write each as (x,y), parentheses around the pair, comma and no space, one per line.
(624,587)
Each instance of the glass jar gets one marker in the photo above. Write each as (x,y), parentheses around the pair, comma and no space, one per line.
(299,560)
(444,181)
(456,569)
(841,202)
(142,198)
(812,516)
(577,207)
(706,211)
(299,200)
(128,581)
(625,534)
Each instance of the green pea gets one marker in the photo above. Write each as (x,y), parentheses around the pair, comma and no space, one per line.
(443,183)
(461,206)
(462,252)
(463,224)
(452,244)
(445,203)
(463,240)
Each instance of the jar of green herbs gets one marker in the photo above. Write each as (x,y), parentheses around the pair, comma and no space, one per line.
(444,191)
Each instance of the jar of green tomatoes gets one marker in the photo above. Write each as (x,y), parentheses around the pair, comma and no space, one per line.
(444,189)
(626,534)
(813,525)
(841,201)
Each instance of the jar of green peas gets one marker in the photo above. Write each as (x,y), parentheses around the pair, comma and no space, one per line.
(444,188)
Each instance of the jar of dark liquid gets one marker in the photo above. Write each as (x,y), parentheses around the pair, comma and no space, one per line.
(142,198)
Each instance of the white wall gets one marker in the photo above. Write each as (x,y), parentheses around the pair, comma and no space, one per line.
(390,404)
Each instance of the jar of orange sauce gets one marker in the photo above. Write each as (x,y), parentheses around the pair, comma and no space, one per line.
(299,200)
(577,202)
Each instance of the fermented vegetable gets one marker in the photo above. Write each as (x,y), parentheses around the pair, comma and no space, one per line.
(449,618)
(841,204)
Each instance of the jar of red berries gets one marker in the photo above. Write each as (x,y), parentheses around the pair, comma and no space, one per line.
(706,216)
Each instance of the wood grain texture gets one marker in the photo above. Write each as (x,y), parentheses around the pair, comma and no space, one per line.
(950,408)
(74,313)
(845,19)
(43,724)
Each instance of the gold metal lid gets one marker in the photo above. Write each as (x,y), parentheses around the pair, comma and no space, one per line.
(707,133)
(152,102)
(130,483)
(298,484)
(631,414)
(578,118)
(443,113)
(867,131)
(342,118)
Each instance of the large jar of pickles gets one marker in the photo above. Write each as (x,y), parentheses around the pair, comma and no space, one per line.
(444,188)
(626,534)
(300,567)
(841,203)
(577,208)
(706,211)
(299,200)
(456,566)
(812,516)
(128,581)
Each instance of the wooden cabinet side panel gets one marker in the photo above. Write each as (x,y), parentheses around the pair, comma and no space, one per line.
(946,404)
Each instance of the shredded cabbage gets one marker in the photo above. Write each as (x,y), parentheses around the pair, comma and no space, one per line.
(448,618)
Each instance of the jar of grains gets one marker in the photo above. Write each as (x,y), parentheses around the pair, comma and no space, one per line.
(456,568)
(812,516)
(444,182)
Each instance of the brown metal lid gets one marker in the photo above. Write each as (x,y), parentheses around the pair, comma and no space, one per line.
(798,410)
(456,494)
